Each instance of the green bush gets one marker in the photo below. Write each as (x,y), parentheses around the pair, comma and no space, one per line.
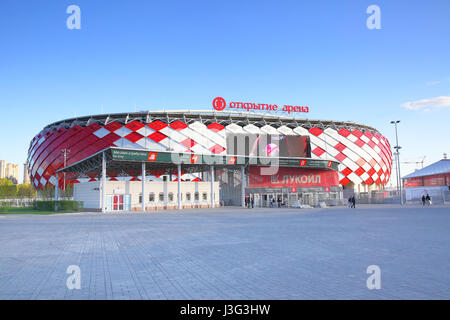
(62,205)
(70,205)
(46,205)
(4,206)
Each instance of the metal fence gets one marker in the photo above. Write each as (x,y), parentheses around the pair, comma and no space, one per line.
(393,197)
(25,202)
(443,198)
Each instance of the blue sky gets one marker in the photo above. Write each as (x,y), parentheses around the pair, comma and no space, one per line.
(182,54)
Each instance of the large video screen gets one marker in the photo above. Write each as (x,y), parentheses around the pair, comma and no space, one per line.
(268,145)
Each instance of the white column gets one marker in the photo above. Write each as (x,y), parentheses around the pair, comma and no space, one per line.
(103,183)
(143,186)
(179,187)
(57,187)
(211,176)
(57,191)
(243,186)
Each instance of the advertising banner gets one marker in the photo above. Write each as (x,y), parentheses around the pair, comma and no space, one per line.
(413,182)
(428,181)
(293,177)
(219,104)
(189,158)
(264,145)
(435,180)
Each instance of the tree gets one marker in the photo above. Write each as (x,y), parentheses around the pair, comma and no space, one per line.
(26,190)
(68,193)
(48,192)
(12,179)
(7,189)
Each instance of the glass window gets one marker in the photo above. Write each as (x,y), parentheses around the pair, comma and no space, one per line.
(205,196)
(161,196)
(151,197)
(188,196)
(197,196)
(171,197)
(140,198)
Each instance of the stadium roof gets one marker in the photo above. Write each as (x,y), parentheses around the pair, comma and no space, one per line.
(205,116)
(442,166)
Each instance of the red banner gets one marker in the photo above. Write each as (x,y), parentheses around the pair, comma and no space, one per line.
(433,180)
(293,177)
(413,182)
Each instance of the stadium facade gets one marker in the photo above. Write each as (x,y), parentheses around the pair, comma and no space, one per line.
(317,159)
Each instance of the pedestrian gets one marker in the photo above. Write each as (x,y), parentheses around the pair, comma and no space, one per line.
(253,202)
(279,202)
(423,200)
(428,199)
(350,203)
(353,202)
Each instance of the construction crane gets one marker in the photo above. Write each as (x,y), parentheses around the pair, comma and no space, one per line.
(416,162)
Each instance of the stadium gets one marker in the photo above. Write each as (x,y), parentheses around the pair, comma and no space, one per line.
(183,159)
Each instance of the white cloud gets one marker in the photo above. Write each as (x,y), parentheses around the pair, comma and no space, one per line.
(433,83)
(438,102)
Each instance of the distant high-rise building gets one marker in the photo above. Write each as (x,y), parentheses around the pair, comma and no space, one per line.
(12,171)
(2,169)
(9,171)
(26,176)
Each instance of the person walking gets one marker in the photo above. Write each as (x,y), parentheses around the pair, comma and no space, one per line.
(428,199)
(423,200)
(350,202)
(353,202)
(252,201)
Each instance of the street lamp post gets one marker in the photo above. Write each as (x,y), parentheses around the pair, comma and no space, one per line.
(65,152)
(397,148)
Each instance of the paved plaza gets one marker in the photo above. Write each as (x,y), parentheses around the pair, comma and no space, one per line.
(229,253)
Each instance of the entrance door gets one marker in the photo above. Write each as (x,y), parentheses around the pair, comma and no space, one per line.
(118,202)
(264,200)
(308,199)
(292,200)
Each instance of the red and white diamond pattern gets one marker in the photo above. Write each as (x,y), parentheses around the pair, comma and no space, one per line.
(45,158)
(364,157)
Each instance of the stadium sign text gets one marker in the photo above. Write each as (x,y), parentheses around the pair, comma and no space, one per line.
(219,104)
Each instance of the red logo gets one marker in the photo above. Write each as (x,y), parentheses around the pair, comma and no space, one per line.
(219,103)
(152,156)
(303,163)
(194,158)
(232,160)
